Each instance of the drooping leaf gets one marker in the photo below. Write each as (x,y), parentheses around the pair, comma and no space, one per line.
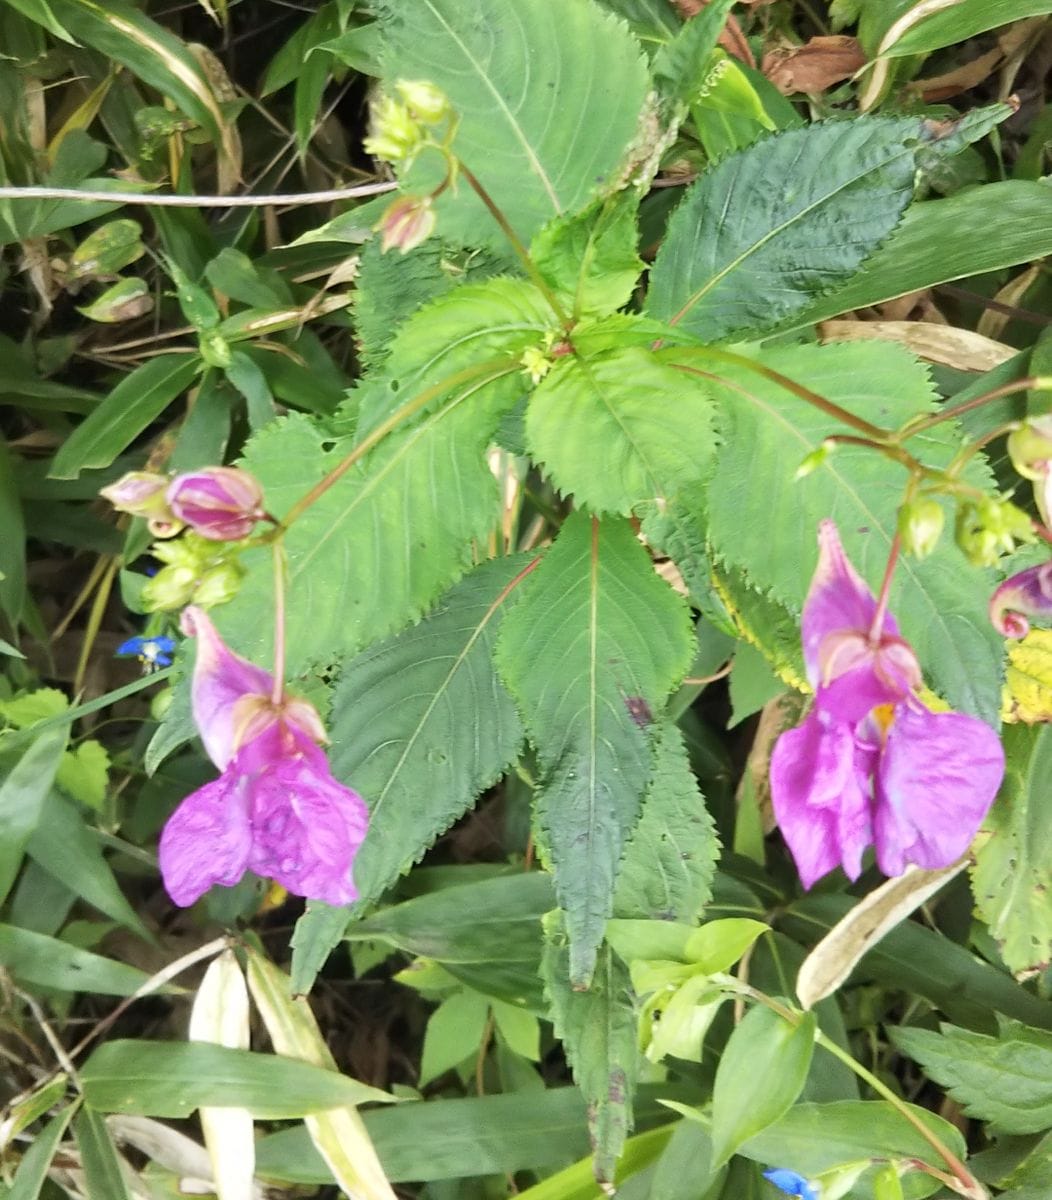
(507,66)
(765,522)
(761,1072)
(1012,877)
(592,424)
(598,1030)
(773,227)
(1005,1080)
(421,723)
(671,857)
(595,635)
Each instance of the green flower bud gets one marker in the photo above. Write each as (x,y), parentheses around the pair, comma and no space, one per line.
(989,528)
(170,589)
(215,349)
(218,585)
(1030,447)
(815,459)
(920,526)
(395,135)
(427,103)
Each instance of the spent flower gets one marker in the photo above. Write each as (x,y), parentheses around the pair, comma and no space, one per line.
(275,808)
(871,764)
(406,223)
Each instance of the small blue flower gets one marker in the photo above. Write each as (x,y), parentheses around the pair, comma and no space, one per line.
(152,652)
(791,1183)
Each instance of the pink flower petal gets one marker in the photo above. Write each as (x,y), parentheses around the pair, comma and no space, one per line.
(207,840)
(938,776)
(1027,594)
(820,795)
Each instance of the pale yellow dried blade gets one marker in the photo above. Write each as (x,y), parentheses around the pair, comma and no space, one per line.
(962,349)
(838,953)
(338,1134)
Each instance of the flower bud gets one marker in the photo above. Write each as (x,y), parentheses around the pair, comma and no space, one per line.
(1030,447)
(395,135)
(407,223)
(222,504)
(920,526)
(989,528)
(427,103)
(811,462)
(141,493)
(170,589)
(218,585)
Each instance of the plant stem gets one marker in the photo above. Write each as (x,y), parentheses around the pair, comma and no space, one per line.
(536,278)
(498,367)
(104,195)
(921,425)
(277,548)
(876,628)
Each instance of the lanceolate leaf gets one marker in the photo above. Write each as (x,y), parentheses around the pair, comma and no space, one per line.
(599,1031)
(507,67)
(1012,878)
(769,229)
(765,523)
(671,859)
(421,723)
(596,640)
(593,424)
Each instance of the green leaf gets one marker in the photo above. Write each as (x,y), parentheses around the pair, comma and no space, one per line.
(591,423)
(762,1071)
(316,933)
(33,1169)
(83,773)
(718,945)
(47,962)
(22,799)
(590,259)
(454,1033)
(40,11)
(507,66)
(171,1079)
(765,522)
(595,634)
(671,858)
(682,64)
(98,1157)
(966,19)
(717,277)
(1012,876)
(927,249)
(598,1029)
(1005,1080)
(13,543)
(421,723)
(137,400)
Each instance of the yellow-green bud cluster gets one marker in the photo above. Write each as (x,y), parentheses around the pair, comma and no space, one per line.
(197,571)
(399,124)
(990,527)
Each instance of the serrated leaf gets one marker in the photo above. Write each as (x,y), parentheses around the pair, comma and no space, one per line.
(421,723)
(507,66)
(761,621)
(1006,1080)
(743,252)
(594,634)
(1012,876)
(1028,678)
(764,522)
(592,424)
(671,858)
(682,63)
(762,1071)
(591,259)
(598,1029)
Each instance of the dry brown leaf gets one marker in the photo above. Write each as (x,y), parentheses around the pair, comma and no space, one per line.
(943,344)
(813,67)
(992,323)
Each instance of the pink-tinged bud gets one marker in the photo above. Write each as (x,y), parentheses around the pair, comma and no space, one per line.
(222,504)
(1028,594)
(407,223)
(142,494)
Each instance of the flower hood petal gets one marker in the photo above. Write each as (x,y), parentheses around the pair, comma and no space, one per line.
(937,777)
(207,840)
(1027,594)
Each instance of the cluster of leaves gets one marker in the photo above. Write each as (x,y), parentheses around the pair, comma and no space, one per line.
(528,426)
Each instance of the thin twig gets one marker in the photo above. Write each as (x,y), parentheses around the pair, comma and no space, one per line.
(167,200)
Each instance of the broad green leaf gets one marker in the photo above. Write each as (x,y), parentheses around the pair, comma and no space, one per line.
(13,543)
(313,939)
(237,276)
(83,773)
(1012,876)
(507,66)
(596,639)
(137,400)
(171,1079)
(421,723)
(1005,1080)
(70,852)
(598,1029)
(718,945)
(455,1031)
(47,962)
(671,857)
(762,1071)
(814,1138)
(578,1181)
(763,622)
(592,425)
(22,798)
(717,276)
(927,249)
(32,1170)
(590,259)
(99,1160)
(958,23)
(765,522)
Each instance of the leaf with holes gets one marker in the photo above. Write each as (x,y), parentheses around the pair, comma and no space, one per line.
(595,636)
(764,521)
(507,66)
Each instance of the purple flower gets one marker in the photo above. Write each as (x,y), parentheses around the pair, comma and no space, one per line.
(791,1183)
(219,503)
(1027,594)
(871,764)
(275,809)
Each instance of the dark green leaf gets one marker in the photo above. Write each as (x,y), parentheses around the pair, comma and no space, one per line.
(12,544)
(98,1157)
(46,962)
(682,63)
